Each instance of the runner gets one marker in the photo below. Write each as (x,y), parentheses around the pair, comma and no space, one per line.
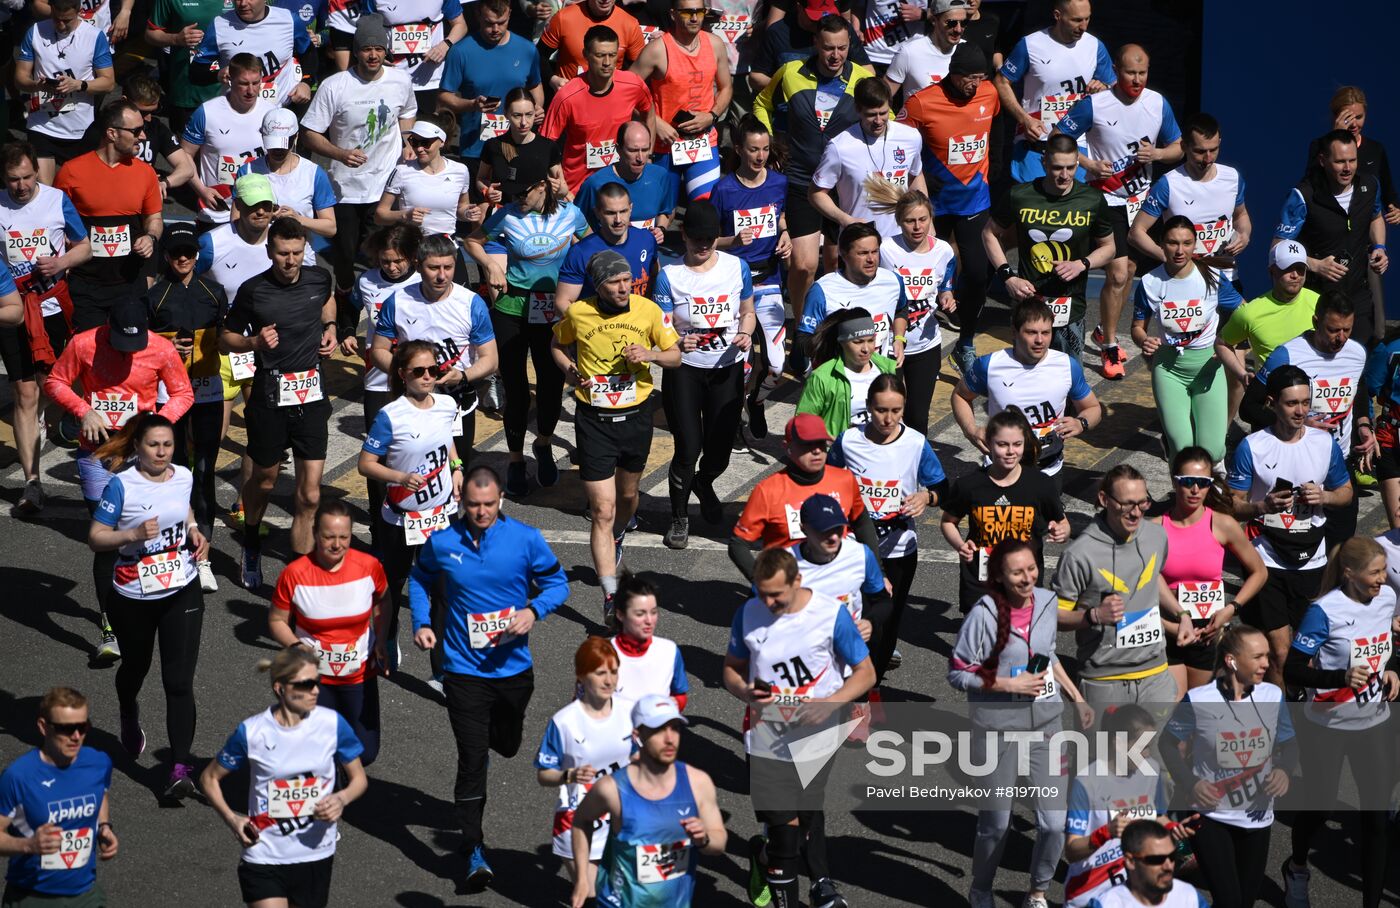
(604,345)
(421,32)
(1344,655)
(785,647)
(923,60)
(687,70)
(1196,545)
(1063,230)
(160,142)
(272,36)
(1285,479)
(651,187)
(291,751)
(332,602)
(302,188)
(286,315)
(647,664)
(145,518)
(520,146)
(53,861)
(1039,381)
(430,191)
(1348,107)
(44,238)
(1148,849)
(838,389)
(222,136)
(176,29)
(926,266)
(642,802)
(614,233)
(62,68)
(1383,386)
(537,228)
(708,299)
(488,564)
(583,742)
(861,282)
(1186,300)
(1117,613)
(996,667)
(1009,498)
(1129,129)
(567,33)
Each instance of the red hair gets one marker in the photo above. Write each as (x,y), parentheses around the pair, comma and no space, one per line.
(592,653)
(987,671)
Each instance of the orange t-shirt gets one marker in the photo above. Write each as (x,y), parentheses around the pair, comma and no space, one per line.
(114,203)
(772,514)
(566,30)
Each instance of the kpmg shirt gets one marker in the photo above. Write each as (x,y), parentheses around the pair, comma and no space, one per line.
(295,311)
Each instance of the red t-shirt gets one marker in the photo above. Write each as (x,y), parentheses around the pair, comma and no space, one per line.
(566,30)
(585,125)
(332,611)
(114,201)
(772,514)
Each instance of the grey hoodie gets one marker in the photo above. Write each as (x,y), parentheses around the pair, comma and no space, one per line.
(976,638)
(1095,565)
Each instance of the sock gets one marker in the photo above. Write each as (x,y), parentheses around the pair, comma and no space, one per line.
(252,537)
(609,585)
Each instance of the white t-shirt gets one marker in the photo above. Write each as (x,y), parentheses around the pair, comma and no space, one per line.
(924,275)
(852,156)
(860,390)
(438,192)
(917,64)
(353,113)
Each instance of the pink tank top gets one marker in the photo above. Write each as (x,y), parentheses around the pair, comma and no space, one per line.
(1193,554)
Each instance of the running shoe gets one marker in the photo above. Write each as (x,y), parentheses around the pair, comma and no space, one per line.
(896,660)
(435,682)
(207,581)
(1295,885)
(250,571)
(31,501)
(758,420)
(759,893)
(1098,337)
(546,470)
(517,480)
(980,898)
(132,737)
(180,784)
(824,895)
(1114,359)
(237,519)
(1035,901)
(479,873)
(740,445)
(108,651)
(711,508)
(964,355)
(608,608)
(678,536)
(65,432)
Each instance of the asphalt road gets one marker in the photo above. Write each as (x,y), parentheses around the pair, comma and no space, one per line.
(398,844)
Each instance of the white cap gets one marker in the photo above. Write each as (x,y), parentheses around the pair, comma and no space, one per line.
(1287,254)
(425,130)
(656,711)
(279,127)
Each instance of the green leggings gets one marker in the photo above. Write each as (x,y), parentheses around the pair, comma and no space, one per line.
(1191,399)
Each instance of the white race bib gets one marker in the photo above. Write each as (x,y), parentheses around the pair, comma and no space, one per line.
(484,630)
(604,154)
(1241,749)
(115,407)
(1201,600)
(226,169)
(74,850)
(1184,316)
(1048,691)
(53,104)
(882,332)
(419,525)
(1332,399)
(731,27)
(110,242)
(339,659)
(242,365)
(1054,107)
(793,516)
(691,150)
(882,497)
(919,283)
(297,388)
(159,571)
(967,149)
(1059,309)
(984,558)
(1214,234)
(1146,630)
(659,863)
(1371,652)
(715,312)
(612,391)
(1135,205)
(410,39)
(493,125)
(22,247)
(649,33)
(541,311)
(762,221)
(288,799)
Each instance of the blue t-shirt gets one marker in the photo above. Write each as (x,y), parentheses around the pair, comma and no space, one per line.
(474,69)
(535,244)
(639,248)
(653,193)
(34,792)
(729,196)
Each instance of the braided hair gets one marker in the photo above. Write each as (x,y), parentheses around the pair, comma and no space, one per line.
(1001,598)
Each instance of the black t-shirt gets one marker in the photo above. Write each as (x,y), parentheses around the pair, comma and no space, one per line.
(295,311)
(982,32)
(501,154)
(1021,510)
(159,141)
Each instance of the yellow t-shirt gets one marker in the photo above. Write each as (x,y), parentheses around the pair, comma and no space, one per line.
(614,383)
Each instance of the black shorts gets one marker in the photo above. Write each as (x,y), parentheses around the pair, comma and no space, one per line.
(1283,600)
(1388,464)
(612,440)
(1199,656)
(342,40)
(14,347)
(803,219)
(1118,214)
(61,150)
(271,430)
(305,885)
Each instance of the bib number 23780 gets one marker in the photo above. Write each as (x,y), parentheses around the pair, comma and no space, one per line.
(297,388)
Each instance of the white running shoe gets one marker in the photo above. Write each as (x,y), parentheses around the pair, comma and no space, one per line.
(207,581)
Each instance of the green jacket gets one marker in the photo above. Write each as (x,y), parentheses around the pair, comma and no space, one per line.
(828,393)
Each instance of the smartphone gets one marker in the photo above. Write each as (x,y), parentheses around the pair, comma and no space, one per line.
(1038,664)
(493,103)
(51,86)
(682,117)
(763,687)
(1283,485)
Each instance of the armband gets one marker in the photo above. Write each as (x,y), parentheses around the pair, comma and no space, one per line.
(1380,246)
(900,338)
(455,464)
(1004,271)
(1099,837)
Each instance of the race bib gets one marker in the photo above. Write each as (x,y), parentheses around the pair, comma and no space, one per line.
(268,90)
(1047,692)
(419,525)
(1059,309)
(288,799)
(1143,629)
(226,169)
(793,517)
(1185,316)
(967,149)
(1241,749)
(115,407)
(659,863)
(52,104)
(410,38)
(715,312)
(1332,398)
(493,125)
(644,224)
(112,241)
(1213,235)
(762,221)
(339,659)
(882,332)
(1297,519)
(207,388)
(692,150)
(611,391)
(159,571)
(242,365)
(984,558)
(1135,205)
(604,154)
(649,33)
(882,497)
(74,850)
(731,27)
(1201,600)
(297,388)
(1054,107)
(919,283)
(484,630)
(23,246)
(1141,809)
(541,308)
(1371,652)
(899,176)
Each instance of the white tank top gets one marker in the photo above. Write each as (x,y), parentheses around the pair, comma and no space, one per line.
(650,673)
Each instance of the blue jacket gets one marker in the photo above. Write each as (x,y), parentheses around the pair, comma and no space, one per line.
(483,580)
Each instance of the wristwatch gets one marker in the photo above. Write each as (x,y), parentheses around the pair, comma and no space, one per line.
(1084,422)
(1004,271)
(1085,262)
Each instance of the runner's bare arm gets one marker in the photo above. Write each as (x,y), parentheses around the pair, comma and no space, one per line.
(703,788)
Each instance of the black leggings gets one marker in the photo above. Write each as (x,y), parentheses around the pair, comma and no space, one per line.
(516,342)
(703,408)
(374,401)
(1232,860)
(104,565)
(920,374)
(353,222)
(177,620)
(358,704)
(1371,754)
(900,573)
(398,558)
(202,425)
(486,714)
(965,232)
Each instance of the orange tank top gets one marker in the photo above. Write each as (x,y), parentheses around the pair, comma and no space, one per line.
(689,83)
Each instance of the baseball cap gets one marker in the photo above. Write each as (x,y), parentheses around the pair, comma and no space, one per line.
(816,10)
(656,711)
(701,221)
(279,127)
(939,7)
(254,189)
(127,324)
(179,236)
(1288,254)
(807,427)
(425,130)
(823,514)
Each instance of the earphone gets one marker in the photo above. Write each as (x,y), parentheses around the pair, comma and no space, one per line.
(1230,664)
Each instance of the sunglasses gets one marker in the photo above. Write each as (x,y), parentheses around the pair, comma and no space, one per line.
(135,131)
(419,371)
(1156,860)
(68,729)
(958,24)
(1193,482)
(691,13)
(420,142)
(306,686)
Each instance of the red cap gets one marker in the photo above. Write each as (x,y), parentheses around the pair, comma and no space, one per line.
(807,427)
(816,9)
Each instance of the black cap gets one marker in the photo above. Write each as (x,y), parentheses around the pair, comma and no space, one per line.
(701,221)
(179,236)
(127,325)
(521,174)
(967,60)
